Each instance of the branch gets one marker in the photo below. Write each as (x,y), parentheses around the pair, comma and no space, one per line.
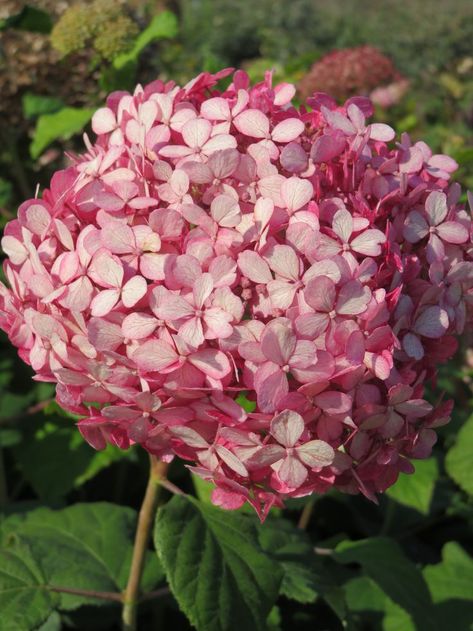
(143,532)
(86,592)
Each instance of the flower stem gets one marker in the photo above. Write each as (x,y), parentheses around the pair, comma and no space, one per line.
(143,532)
(306,514)
(3,482)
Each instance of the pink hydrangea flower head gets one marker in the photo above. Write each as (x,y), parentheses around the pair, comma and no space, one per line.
(214,248)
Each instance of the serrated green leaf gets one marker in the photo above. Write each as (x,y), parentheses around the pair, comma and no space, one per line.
(36,104)
(460,458)
(58,126)
(85,546)
(53,623)
(416,490)
(216,569)
(162,26)
(24,602)
(384,561)
(302,580)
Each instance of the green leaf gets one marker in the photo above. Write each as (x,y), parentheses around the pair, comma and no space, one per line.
(24,603)
(162,26)
(29,19)
(416,490)
(35,104)
(216,569)
(453,577)
(460,458)
(60,125)
(85,546)
(450,583)
(203,488)
(363,595)
(383,560)
(9,437)
(291,547)
(58,459)
(53,460)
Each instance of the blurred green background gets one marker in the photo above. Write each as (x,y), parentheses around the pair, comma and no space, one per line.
(58,61)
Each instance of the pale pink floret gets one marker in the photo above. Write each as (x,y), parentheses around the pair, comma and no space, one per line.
(215,244)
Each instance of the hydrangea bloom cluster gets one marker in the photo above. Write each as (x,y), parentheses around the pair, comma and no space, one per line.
(362,70)
(218,247)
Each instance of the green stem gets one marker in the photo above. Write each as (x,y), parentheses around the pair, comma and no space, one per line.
(3,482)
(306,514)
(143,532)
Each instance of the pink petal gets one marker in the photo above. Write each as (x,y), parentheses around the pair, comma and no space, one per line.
(283,93)
(353,298)
(118,237)
(103,121)
(134,290)
(296,193)
(293,158)
(152,265)
(320,294)
(218,324)
(270,388)
(432,323)
(413,346)
(106,270)
(215,109)
(284,261)
(291,471)
(155,356)
(415,227)
(287,428)
(287,130)
(211,362)
(452,232)
(281,293)
(190,437)
(104,302)
(328,147)
(196,132)
(104,335)
(316,453)
(223,163)
(381,132)
(202,289)
(333,402)
(169,306)
(226,211)
(254,267)
(278,343)
(368,242)
(220,142)
(342,224)
(252,123)
(192,332)
(436,207)
(138,326)
(231,460)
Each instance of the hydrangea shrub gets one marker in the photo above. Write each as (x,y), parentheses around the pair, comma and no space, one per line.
(260,290)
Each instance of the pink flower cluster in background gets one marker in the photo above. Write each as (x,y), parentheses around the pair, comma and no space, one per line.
(219,248)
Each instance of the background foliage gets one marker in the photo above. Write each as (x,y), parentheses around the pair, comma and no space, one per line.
(67,513)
